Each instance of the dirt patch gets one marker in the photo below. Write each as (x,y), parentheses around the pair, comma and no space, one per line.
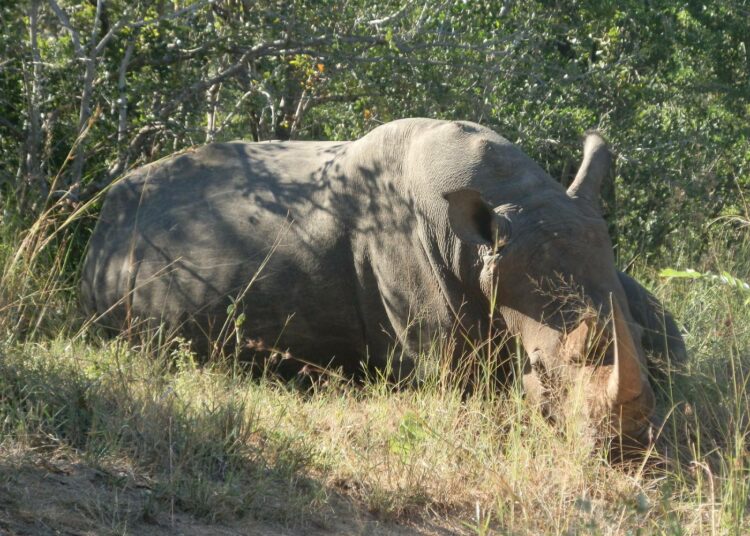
(56,495)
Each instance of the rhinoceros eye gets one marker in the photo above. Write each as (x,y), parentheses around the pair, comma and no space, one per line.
(503,228)
(538,366)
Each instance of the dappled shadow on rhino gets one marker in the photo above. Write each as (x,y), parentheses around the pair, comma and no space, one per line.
(363,254)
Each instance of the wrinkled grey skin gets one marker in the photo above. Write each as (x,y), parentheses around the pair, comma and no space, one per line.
(401,238)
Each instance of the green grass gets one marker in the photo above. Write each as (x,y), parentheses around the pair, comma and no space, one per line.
(164,437)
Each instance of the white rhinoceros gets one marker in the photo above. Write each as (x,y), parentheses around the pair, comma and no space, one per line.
(339,252)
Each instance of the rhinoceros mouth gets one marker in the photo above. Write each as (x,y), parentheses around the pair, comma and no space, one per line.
(634,447)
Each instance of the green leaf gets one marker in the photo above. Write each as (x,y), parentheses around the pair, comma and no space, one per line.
(683,274)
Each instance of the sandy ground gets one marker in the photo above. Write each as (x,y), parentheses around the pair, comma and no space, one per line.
(44,495)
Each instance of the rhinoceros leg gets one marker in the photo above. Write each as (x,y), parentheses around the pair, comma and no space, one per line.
(661,338)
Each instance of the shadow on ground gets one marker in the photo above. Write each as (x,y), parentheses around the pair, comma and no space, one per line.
(51,495)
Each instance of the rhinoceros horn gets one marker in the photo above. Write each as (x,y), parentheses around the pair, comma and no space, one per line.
(625,382)
(595,166)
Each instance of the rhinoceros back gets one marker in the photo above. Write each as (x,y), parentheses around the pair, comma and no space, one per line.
(180,239)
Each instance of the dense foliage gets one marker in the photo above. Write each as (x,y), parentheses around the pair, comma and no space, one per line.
(91,88)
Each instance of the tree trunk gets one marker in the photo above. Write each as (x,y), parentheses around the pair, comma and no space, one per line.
(34,134)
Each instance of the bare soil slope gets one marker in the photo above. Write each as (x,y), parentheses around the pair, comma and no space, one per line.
(45,494)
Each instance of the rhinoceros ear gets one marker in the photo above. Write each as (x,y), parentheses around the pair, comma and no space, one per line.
(596,165)
(472,219)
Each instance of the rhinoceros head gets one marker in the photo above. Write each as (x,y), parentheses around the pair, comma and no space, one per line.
(548,270)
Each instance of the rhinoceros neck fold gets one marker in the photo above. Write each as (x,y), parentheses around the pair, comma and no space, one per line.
(426,276)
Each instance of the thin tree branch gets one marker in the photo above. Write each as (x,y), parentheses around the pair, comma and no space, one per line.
(63,17)
(302,106)
(389,19)
(122,121)
(174,15)
(34,140)
(237,105)
(97,19)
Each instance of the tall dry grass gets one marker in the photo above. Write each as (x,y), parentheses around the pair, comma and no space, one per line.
(212,442)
